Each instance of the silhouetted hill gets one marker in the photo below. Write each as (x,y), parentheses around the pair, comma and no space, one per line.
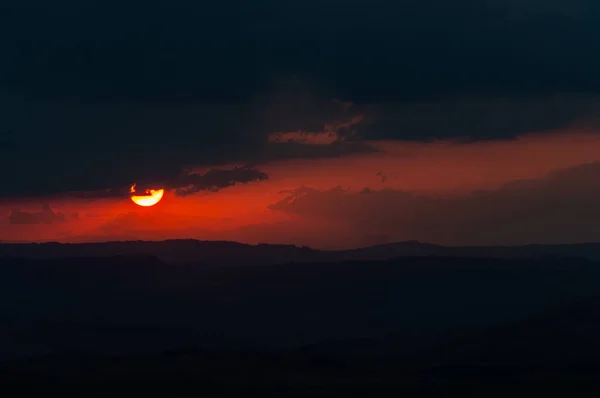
(232,253)
(171,251)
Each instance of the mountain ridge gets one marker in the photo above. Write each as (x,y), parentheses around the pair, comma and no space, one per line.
(235,253)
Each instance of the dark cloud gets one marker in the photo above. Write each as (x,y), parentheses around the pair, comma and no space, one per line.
(131,99)
(183,184)
(367,49)
(102,194)
(473,119)
(66,147)
(297,111)
(100,150)
(294,150)
(215,180)
(332,132)
(46,216)
(6,145)
(384,177)
(524,9)
(560,208)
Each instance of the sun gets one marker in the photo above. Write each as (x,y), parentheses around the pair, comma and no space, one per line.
(150,197)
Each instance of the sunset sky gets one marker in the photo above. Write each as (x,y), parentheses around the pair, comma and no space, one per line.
(330,124)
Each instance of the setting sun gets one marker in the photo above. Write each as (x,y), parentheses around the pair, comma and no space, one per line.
(149,198)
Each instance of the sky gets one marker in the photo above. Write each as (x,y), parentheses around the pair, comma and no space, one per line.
(331,124)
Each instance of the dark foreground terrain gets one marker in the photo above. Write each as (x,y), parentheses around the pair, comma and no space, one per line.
(134,325)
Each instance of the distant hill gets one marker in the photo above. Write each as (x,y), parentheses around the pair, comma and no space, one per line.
(170,251)
(232,253)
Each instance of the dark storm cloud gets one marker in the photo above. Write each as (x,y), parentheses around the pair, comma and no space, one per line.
(478,118)
(575,9)
(363,50)
(46,216)
(562,207)
(294,150)
(94,97)
(122,192)
(384,177)
(99,150)
(104,148)
(215,180)
(183,184)
(6,144)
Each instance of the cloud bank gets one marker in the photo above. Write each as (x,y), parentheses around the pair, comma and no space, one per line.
(561,207)
(46,216)
(215,180)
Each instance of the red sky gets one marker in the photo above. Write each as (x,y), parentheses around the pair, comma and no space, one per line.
(445,170)
(474,123)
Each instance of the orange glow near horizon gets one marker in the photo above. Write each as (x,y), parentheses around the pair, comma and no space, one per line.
(151,197)
(438,170)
